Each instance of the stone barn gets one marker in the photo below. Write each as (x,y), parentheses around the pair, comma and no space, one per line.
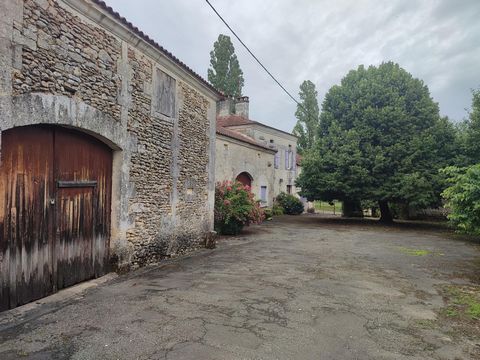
(107,147)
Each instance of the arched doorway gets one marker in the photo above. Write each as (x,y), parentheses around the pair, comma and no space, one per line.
(55,198)
(245,178)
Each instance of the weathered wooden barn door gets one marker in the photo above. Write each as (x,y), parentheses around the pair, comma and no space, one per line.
(26,215)
(83,167)
(55,193)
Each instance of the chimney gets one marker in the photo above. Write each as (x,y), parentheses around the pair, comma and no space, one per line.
(225,107)
(241,106)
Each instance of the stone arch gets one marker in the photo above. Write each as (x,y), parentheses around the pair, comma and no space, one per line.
(245,178)
(40,108)
(43,108)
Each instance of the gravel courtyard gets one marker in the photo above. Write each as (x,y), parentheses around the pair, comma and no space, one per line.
(305,287)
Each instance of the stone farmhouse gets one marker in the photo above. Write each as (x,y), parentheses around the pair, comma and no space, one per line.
(107,147)
(256,154)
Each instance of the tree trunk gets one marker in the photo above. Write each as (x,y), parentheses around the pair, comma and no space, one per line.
(385,214)
(352,208)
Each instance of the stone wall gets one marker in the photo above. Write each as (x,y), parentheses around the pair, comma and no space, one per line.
(234,157)
(62,55)
(73,64)
(283,142)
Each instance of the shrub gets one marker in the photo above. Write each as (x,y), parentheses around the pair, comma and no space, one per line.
(463,198)
(268,213)
(311,210)
(291,205)
(277,210)
(235,207)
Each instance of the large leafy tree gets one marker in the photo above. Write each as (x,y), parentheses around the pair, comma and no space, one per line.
(308,117)
(224,72)
(380,139)
(463,197)
(472,130)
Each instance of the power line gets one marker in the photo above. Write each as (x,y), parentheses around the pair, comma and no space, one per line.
(257,60)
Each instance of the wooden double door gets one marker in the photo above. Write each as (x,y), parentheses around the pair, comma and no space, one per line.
(55,199)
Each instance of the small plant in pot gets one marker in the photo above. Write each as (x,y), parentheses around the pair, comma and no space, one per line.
(235,207)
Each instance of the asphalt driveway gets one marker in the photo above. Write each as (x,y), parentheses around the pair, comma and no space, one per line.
(293,288)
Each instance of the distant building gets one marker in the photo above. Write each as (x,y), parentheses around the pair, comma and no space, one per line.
(254,153)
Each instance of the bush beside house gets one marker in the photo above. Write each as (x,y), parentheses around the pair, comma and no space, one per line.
(291,205)
(235,207)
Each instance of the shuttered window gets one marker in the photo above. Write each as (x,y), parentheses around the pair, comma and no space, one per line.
(164,102)
(263,193)
(289,159)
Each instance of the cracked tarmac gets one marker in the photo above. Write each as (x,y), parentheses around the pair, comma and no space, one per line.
(304,287)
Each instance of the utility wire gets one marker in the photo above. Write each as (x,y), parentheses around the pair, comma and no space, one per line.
(257,60)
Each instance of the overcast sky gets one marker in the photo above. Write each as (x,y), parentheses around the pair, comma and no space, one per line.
(437,41)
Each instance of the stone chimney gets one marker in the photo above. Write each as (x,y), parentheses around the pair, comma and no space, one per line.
(225,107)
(241,106)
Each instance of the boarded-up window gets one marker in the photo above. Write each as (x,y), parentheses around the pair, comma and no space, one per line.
(165,94)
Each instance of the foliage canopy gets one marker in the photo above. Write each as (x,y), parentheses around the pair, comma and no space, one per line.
(381,139)
(463,198)
(224,72)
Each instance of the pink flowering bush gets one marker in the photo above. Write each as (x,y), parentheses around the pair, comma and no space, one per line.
(235,207)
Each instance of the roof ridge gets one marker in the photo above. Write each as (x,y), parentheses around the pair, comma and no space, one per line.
(242,137)
(152,42)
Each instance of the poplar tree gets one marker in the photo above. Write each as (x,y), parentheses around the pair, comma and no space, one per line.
(224,72)
(308,117)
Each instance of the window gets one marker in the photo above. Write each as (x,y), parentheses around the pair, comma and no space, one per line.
(271,141)
(164,101)
(288,159)
(263,193)
(289,189)
(276,160)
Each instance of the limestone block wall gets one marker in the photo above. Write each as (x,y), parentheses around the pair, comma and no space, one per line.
(74,63)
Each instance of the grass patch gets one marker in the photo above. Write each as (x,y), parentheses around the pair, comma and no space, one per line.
(323,206)
(414,252)
(463,300)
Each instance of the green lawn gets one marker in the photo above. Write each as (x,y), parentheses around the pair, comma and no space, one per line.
(323,206)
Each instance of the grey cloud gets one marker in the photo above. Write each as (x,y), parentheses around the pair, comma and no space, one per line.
(437,41)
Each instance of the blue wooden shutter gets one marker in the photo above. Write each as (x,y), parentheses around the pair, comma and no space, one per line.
(263,193)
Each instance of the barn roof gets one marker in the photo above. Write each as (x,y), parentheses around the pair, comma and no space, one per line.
(241,137)
(237,120)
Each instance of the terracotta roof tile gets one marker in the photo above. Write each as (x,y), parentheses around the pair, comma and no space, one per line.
(237,120)
(233,120)
(238,136)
